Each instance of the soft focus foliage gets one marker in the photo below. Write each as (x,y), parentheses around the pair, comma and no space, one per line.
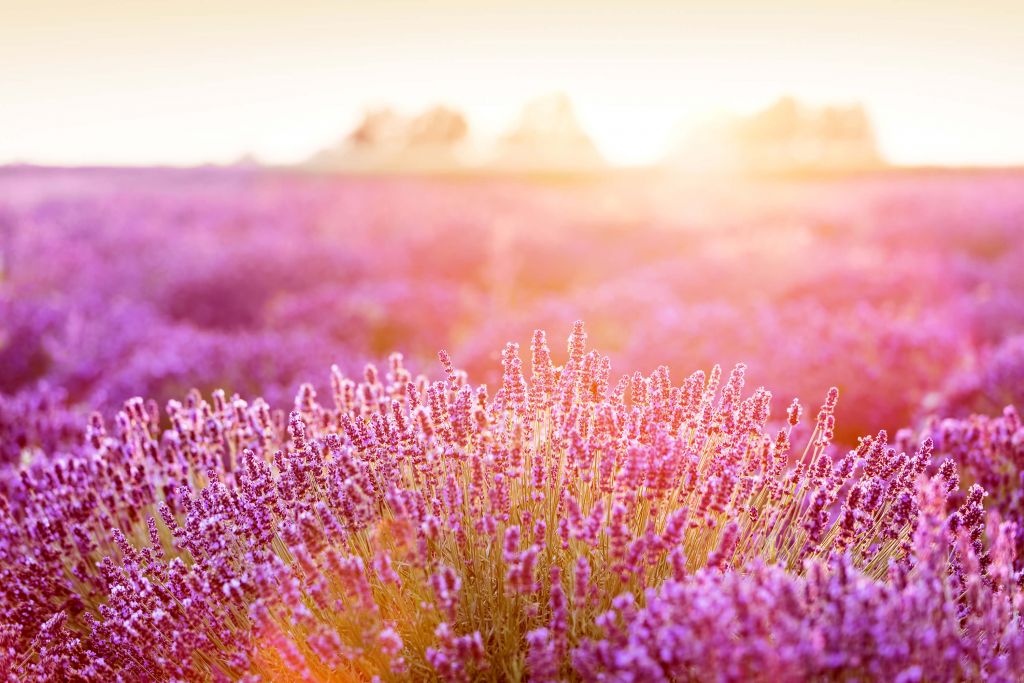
(571,525)
(997,381)
(898,289)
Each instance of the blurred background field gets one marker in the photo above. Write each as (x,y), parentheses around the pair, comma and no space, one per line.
(904,288)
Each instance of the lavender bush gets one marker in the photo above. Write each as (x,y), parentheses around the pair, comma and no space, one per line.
(989,451)
(570,525)
(393,523)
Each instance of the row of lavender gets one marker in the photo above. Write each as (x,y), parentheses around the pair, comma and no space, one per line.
(905,291)
(569,526)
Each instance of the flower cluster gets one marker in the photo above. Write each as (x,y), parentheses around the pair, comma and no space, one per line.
(568,525)
(989,453)
(830,623)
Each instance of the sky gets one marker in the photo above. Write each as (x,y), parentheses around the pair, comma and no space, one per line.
(191,81)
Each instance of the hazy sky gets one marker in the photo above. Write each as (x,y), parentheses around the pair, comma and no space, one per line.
(188,81)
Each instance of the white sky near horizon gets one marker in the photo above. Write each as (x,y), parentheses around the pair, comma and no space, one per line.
(192,81)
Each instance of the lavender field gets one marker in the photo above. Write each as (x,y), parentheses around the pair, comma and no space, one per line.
(272,425)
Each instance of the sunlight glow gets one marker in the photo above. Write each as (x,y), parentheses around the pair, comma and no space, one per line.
(187,82)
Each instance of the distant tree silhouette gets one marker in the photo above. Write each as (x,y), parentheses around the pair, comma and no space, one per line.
(437,126)
(384,140)
(548,137)
(378,127)
(788,136)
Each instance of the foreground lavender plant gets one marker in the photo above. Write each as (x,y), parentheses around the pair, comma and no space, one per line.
(831,623)
(988,451)
(563,528)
